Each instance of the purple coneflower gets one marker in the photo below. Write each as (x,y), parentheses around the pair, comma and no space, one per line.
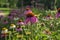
(58,13)
(1,17)
(13,14)
(4,35)
(48,17)
(27,11)
(20,22)
(30,17)
(5,22)
(10,17)
(18,29)
(14,11)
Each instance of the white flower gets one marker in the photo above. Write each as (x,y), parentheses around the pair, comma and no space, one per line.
(4,30)
(16,18)
(12,26)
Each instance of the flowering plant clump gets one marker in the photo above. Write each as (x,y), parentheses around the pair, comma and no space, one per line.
(18,29)
(58,13)
(4,32)
(20,22)
(30,17)
(34,25)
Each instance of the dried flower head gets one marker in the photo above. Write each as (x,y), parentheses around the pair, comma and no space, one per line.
(47,32)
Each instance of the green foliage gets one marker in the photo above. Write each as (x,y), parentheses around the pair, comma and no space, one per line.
(37,30)
(58,3)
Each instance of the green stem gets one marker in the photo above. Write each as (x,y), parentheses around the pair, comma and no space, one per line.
(13,29)
(13,34)
(9,37)
(32,31)
(5,38)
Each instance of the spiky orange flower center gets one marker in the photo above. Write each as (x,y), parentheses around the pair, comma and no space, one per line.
(30,15)
(58,9)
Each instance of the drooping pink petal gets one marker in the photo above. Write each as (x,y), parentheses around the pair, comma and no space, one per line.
(57,15)
(33,20)
(27,20)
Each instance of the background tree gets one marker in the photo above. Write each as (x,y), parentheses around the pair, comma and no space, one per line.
(3,3)
(12,3)
(49,4)
(58,3)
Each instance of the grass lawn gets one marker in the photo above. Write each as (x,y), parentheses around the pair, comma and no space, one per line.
(5,10)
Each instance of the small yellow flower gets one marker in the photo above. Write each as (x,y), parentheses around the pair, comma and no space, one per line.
(4,30)
(22,26)
(19,36)
(12,26)
(37,15)
(28,33)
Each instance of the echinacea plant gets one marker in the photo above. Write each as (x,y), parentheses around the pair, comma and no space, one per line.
(48,17)
(27,11)
(30,17)
(4,33)
(19,29)
(5,22)
(58,13)
(40,26)
(20,23)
